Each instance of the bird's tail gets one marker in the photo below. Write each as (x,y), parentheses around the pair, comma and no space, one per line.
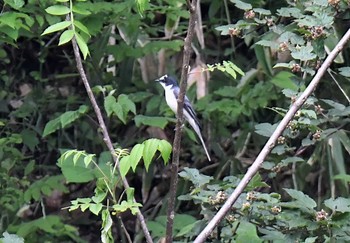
(196,129)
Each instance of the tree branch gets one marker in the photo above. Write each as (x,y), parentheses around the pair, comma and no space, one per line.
(178,131)
(105,134)
(272,141)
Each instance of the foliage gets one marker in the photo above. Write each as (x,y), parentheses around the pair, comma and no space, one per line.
(53,156)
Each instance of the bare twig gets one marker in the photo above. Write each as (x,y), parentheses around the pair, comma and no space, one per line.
(178,131)
(103,127)
(272,141)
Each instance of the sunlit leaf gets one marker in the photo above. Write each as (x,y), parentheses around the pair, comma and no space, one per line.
(56,27)
(66,36)
(82,45)
(58,10)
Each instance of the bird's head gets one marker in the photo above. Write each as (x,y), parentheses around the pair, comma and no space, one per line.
(167,81)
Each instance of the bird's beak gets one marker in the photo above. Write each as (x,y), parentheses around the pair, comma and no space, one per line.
(157,80)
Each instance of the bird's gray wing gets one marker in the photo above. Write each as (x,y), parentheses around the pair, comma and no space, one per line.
(187,106)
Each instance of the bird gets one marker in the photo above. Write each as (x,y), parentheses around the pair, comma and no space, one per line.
(172,91)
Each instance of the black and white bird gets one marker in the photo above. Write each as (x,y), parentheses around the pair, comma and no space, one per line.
(172,91)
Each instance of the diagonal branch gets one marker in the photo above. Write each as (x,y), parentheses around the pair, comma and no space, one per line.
(177,140)
(105,134)
(272,141)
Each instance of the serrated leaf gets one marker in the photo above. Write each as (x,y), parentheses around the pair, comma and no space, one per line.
(303,53)
(136,155)
(265,129)
(82,27)
(151,146)
(56,27)
(165,149)
(82,45)
(195,177)
(58,10)
(302,198)
(339,204)
(66,36)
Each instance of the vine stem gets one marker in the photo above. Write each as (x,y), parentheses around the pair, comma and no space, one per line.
(174,167)
(253,169)
(105,133)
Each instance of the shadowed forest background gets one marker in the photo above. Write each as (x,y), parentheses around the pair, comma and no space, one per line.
(58,181)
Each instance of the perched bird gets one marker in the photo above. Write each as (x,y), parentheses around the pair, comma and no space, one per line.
(172,91)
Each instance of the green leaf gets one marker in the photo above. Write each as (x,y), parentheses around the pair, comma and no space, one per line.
(246,232)
(29,138)
(130,194)
(265,129)
(66,36)
(95,208)
(303,53)
(345,71)
(124,165)
(16,4)
(80,10)
(151,146)
(107,222)
(165,149)
(339,204)
(284,80)
(195,177)
(75,172)
(109,103)
(301,200)
(56,27)
(118,110)
(82,27)
(82,45)
(136,155)
(126,103)
(58,10)
(242,5)
(29,167)
(154,121)
(52,126)
(142,5)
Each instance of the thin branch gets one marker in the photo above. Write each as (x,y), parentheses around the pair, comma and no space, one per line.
(105,134)
(253,169)
(178,131)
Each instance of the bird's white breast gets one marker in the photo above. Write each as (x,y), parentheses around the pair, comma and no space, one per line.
(170,98)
